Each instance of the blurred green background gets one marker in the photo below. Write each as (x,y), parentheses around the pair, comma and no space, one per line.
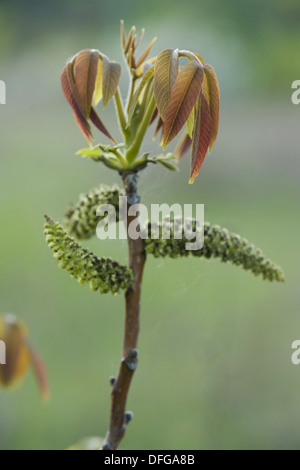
(215,367)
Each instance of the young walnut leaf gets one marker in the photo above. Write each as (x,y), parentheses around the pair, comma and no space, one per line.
(165,74)
(183,146)
(85,73)
(69,89)
(145,54)
(184,95)
(110,79)
(145,80)
(19,355)
(201,136)
(190,123)
(213,98)
(97,97)
(99,124)
(81,80)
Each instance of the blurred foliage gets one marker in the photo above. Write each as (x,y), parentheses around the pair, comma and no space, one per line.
(215,369)
(19,355)
(265,32)
(90,443)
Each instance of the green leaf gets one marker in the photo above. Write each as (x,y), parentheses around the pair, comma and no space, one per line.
(98,85)
(85,72)
(184,95)
(168,161)
(201,137)
(212,94)
(90,152)
(190,123)
(165,74)
(111,76)
(146,79)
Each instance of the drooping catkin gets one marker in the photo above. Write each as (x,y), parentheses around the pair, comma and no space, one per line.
(102,274)
(81,220)
(218,243)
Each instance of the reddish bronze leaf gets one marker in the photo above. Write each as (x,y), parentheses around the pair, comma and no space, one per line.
(129,40)
(85,72)
(123,35)
(40,371)
(184,95)
(213,99)
(68,87)
(165,74)
(99,124)
(154,116)
(201,136)
(159,126)
(111,77)
(13,333)
(183,146)
(145,54)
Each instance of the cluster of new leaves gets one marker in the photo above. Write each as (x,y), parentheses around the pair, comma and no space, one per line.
(190,96)
(160,90)
(129,46)
(19,355)
(88,78)
(101,274)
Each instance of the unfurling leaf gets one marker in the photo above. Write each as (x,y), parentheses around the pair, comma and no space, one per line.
(85,73)
(19,355)
(83,81)
(201,136)
(39,370)
(111,77)
(184,95)
(99,124)
(168,161)
(145,80)
(183,146)
(145,54)
(159,126)
(69,89)
(213,98)
(165,74)
(190,123)
(98,85)
(154,116)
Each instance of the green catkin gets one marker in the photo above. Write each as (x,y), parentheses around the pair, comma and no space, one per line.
(102,274)
(81,220)
(218,243)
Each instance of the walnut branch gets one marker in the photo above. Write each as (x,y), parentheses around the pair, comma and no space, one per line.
(120,387)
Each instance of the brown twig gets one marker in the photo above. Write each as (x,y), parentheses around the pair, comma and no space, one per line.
(119,419)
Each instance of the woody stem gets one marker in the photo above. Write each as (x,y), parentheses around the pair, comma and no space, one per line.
(120,387)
